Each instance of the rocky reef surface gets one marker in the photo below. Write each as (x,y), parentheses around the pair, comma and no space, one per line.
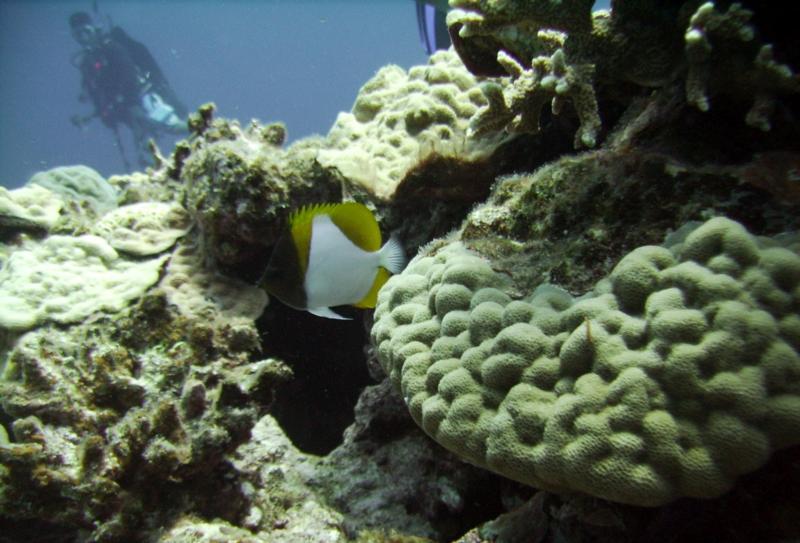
(597,340)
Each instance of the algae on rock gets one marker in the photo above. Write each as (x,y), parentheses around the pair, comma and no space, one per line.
(240,186)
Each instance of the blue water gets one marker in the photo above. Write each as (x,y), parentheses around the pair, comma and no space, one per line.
(297,61)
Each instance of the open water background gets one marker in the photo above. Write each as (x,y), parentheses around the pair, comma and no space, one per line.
(296,61)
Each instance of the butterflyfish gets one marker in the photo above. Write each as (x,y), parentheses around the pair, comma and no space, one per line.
(330,256)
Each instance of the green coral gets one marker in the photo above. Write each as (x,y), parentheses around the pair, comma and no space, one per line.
(677,374)
(518,106)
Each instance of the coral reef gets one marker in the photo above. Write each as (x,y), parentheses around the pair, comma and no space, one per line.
(78,183)
(143,229)
(557,54)
(239,186)
(413,488)
(398,118)
(32,207)
(202,294)
(150,372)
(66,279)
(518,108)
(62,200)
(560,326)
(406,147)
(97,423)
(673,377)
(153,186)
(724,55)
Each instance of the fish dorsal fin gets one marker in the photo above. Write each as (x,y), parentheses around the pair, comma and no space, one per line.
(300,228)
(358,224)
(354,220)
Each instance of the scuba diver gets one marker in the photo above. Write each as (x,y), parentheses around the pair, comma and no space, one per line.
(125,85)
(431,15)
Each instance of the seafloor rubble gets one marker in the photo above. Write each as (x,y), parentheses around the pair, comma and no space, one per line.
(611,333)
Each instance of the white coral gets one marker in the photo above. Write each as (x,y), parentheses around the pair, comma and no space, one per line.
(142,229)
(402,117)
(66,279)
(33,203)
(199,293)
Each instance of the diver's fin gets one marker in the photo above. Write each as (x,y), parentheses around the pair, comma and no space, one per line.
(327,313)
(432,25)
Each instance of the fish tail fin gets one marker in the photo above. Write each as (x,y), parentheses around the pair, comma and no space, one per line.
(392,255)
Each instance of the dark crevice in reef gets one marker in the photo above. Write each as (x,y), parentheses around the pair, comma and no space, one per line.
(330,371)
(17,531)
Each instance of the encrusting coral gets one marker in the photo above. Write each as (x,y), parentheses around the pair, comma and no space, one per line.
(131,398)
(107,386)
(33,205)
(144,228)
(679,373)
(202,294)
(65,279)
(238,185)
(106,431)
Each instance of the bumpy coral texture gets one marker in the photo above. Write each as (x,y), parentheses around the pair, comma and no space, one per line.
(144,228)
(199,293)
(79,183)
(34,204)
(678,373)
(400,117)
(66,279)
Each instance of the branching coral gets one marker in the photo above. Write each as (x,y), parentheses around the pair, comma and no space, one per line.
(645,43)
(518,106)
(722,48)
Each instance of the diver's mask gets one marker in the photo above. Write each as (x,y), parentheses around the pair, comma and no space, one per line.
(86,34)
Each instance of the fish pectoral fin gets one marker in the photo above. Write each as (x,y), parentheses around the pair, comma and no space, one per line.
(393,256)
(327,313)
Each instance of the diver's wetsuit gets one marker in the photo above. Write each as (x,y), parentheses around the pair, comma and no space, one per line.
(111,80)
(117,74)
